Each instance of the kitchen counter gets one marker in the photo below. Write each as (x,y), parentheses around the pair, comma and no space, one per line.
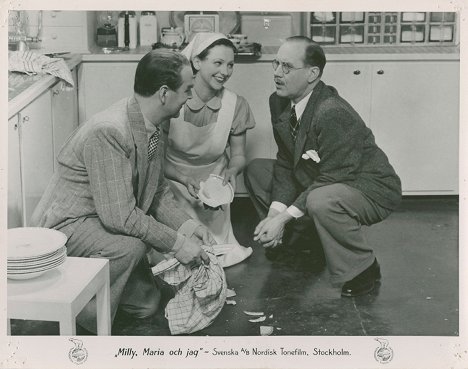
(333,53)
(22,88)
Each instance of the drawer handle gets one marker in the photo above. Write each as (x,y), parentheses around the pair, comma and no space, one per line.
(380,71)
(53,36)
(55,92)
(53,14)
(357,72)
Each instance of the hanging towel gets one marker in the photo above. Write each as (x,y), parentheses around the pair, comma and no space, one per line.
(200,293)
(30,62)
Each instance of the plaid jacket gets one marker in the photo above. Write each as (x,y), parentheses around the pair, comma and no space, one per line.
(103,171)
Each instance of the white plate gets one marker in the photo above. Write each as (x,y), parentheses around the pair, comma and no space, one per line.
(30,242)
(27,275)
(213,193)
(37,269)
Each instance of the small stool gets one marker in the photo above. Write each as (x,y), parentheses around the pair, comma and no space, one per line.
(60,294)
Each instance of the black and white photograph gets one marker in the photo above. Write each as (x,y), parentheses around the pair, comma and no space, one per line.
(234,185)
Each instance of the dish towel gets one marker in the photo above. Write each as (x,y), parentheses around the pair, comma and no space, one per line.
(30,62)
(200,293)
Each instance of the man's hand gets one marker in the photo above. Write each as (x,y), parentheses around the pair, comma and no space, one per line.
(203,235)
(192,254)
(269,232)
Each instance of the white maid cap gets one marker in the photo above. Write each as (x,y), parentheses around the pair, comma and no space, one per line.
(200,42)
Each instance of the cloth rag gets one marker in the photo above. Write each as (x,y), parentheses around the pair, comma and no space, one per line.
(31,62)
(200,293)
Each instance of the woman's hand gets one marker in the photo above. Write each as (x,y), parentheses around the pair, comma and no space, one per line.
(230,176)
(192,186)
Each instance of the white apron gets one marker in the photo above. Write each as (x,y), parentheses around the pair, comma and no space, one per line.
(198,152)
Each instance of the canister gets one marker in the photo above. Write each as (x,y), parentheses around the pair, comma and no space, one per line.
(148,28)
(132,29)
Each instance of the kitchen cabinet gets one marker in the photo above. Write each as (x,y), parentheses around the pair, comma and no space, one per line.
(102,84)
(71,31)
(35,135)
(255,83)
(36,152)
(412,108)
(15,201)
(64,113)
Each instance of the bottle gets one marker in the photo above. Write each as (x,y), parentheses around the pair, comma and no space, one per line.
(148,28)
(128,17)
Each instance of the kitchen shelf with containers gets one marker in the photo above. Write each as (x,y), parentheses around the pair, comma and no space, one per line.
(383,28)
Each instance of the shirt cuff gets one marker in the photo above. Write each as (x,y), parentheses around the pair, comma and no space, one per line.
(294,212)
(180,240)
(279,206)
(188,227)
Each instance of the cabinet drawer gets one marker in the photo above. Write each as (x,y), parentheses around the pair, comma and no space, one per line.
(56,18)
(57,39)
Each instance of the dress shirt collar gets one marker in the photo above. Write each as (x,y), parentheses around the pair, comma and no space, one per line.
(150,127)
(301,105)
(196,104)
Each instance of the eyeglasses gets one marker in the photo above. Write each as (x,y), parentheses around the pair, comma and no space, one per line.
(285,67)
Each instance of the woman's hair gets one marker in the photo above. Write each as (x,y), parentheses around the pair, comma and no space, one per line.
(313,55)
(157,68)
(206,51)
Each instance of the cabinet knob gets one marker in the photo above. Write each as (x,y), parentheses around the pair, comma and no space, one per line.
(25,119)
(357,72)
(380,71)
(53,36)
(53,14)
(55,92)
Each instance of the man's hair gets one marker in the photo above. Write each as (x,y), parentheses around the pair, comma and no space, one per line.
(157,68)
(313,54)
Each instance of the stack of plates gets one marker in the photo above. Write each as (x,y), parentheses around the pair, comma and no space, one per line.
(34,251)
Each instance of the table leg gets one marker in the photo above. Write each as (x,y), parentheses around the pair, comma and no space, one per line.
(103,309)
(68,324)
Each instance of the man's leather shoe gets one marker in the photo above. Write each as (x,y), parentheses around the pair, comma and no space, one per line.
(363,283)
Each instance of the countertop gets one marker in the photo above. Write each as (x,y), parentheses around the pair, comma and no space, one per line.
(23,89)
(333,53)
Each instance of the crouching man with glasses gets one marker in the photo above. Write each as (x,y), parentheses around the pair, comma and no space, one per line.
(329,177)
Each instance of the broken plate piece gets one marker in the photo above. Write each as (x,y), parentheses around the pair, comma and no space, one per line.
(231,302)
(256,320)
(230,293)
(254,313)
(213,193)
(266,330)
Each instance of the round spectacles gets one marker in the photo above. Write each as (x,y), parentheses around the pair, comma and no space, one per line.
(285,67)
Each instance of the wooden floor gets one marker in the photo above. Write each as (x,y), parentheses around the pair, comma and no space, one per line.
(417,248)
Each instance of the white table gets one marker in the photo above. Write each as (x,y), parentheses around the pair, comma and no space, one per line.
(60,294)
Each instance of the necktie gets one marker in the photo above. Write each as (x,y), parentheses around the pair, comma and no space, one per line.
(153,144)
(293,123)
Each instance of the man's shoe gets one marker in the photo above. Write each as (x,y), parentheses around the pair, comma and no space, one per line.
(363,283)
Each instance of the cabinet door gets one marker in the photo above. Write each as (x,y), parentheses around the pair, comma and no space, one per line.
(64,113)
(37,154)
(415,114)
(102,84)
(353,82)
(255,83)
(15,203)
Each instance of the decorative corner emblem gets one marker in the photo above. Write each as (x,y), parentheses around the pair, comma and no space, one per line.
(77,354)
(384,353)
